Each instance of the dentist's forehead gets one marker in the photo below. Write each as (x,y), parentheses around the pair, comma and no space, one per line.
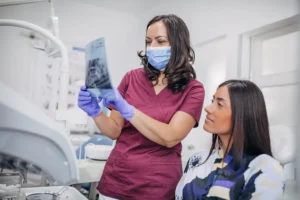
(157,29)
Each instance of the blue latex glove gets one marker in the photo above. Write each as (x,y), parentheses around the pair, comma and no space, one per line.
(119,103)
(88,103)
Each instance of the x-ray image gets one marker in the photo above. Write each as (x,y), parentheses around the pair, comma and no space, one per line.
(97,76)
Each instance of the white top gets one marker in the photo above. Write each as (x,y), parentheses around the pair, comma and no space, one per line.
(261,178)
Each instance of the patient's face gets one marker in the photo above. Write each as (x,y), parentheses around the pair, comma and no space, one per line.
(218,118)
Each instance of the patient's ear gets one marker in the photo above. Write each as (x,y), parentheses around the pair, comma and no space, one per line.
(283,143)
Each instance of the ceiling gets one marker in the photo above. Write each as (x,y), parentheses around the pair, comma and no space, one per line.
(131,6)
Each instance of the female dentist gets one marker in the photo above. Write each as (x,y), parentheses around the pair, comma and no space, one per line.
(155,108)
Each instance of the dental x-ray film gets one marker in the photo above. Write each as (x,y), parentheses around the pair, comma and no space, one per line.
(98,80)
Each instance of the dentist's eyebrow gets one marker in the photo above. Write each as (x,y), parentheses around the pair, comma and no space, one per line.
(157,37)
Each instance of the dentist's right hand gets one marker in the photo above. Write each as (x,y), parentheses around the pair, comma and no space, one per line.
(89,103)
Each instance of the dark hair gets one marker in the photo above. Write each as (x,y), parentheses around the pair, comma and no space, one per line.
(179,70)
(250,125)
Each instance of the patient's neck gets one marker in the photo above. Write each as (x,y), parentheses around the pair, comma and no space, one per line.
(225,143)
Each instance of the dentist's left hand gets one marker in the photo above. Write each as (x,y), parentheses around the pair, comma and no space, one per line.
(89,103)
(119,103)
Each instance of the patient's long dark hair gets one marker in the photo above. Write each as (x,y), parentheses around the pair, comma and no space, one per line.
(179,70)
(250,126)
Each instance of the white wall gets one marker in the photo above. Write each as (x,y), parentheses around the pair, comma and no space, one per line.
(208,19)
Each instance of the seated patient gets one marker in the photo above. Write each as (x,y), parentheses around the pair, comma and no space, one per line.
(239,164)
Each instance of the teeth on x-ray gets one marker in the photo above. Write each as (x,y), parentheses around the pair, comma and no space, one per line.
(97,75)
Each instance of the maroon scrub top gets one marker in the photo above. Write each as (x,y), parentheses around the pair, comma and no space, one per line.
(138,168)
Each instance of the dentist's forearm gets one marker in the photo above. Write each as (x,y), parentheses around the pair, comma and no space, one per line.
(165,134)
(107,126)
(156,131)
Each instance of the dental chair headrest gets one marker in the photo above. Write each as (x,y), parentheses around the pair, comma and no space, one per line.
(283,143)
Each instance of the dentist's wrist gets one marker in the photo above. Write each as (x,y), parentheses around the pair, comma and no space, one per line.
(95,113)
(130,111)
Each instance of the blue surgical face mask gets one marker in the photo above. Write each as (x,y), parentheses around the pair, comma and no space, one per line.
(159,57)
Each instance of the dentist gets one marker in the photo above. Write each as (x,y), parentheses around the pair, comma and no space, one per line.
(155,108)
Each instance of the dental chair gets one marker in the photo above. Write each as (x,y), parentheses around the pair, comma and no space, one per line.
(97,140)
(81,154)
(283,146)
(283,143)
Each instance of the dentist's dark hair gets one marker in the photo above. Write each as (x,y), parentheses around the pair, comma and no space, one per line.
(179,70)
(250,125)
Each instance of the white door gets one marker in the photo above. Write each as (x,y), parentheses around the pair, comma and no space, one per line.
(269,57)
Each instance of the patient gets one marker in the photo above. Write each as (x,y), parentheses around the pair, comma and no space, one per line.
(239,164)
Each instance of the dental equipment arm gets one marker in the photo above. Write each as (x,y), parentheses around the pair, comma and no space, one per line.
(64,68)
